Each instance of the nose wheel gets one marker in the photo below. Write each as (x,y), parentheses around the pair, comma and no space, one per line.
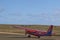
(29,36)
(38,36)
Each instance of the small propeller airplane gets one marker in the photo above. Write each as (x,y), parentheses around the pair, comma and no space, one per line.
(37,33)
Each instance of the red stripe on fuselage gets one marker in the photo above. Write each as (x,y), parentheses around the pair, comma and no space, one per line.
(35,32)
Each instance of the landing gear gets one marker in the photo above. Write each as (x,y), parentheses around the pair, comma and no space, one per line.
(29,36)
(38,36)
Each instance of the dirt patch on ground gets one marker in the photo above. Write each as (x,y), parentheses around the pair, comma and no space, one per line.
(23,37)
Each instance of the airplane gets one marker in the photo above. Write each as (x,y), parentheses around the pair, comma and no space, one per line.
(37,33)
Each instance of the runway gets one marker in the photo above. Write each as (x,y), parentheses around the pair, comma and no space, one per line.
(23,37)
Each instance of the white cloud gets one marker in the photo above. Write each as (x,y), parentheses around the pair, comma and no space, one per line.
(31,18)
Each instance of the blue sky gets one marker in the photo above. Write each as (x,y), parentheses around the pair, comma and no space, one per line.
(45,12)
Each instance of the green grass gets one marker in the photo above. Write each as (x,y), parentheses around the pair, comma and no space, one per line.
(10,28)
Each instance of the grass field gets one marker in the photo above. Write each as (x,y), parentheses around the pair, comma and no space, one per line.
(10,28)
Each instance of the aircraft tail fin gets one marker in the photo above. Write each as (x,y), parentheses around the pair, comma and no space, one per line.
(49,32)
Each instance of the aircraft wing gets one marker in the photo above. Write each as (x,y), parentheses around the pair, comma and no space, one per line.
(21,27)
